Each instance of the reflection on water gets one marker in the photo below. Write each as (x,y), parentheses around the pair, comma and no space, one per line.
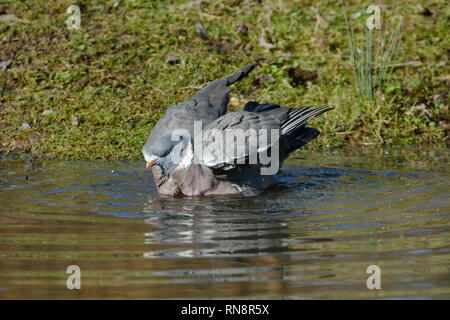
(313,235)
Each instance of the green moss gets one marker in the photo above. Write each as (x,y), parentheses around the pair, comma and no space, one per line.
(113,77)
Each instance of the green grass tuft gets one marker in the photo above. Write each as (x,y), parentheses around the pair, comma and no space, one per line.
(373,64)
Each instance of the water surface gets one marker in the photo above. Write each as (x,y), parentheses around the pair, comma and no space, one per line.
(313,235)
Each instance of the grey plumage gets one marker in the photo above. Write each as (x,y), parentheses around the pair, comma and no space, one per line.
(290,123)
(257,130)
(207,105)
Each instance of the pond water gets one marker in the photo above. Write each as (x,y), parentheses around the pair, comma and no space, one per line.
(332,214)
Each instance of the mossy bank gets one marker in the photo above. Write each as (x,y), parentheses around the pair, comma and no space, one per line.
(96,92)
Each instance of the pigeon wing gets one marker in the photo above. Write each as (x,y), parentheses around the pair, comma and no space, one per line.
(207,105)
(235,138)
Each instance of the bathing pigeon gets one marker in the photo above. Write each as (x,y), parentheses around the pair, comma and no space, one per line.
(196,148)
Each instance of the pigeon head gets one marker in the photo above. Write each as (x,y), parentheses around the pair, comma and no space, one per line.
(169,153)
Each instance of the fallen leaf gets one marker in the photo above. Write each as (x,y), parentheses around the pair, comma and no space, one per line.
(426,11)
(202,31)
(25,126)
(262,40)
(47,112)
(4,65)
(300,77)
(172,59)
(74,121)
(7,18)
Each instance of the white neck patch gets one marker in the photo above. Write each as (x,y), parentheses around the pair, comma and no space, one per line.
(186,161)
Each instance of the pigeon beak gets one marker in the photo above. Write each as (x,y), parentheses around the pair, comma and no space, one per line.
(150,163)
